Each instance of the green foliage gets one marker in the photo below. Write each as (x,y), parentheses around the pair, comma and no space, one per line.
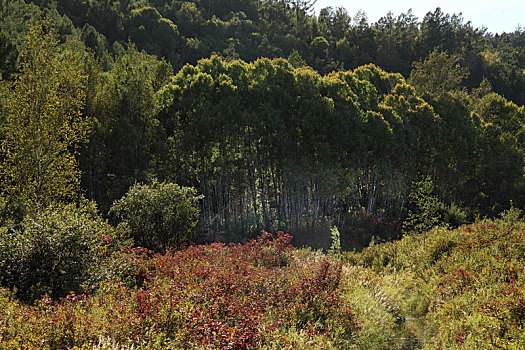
(15,16)
(146,26)
(438,73)
(159,216)
(56,252)
(250,136)
(320,47)
(511,216)
(184,32)
(423,212)
(462,289)
(452,215)
(380,304)
(335,247)
(44,123)
(296,60)
(12,212)
(126,136)
(505,115)
(270,144)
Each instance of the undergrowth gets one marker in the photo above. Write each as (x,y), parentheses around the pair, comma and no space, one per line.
(216,296)
(448,289)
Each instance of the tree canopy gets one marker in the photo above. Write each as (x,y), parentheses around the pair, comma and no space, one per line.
(198,94)
(44,121)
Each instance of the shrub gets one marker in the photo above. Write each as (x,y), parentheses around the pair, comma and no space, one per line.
(12,212)
(335,247)
(365,228)
(160,215)
(216,296)
(452,215)
(423,212)
(54,253)
(457,288)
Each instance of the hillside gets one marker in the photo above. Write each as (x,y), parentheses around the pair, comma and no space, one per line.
(186,31)
(447,288)
(146,148)
(319,132)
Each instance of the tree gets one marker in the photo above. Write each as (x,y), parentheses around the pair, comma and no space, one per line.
(438,74)
(302,9)
(423,214)
(123,141)
(160,215)
(320,47)
(155,34)
(44,122)
(296,60)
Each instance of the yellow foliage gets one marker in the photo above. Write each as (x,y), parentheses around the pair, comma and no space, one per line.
(44,122)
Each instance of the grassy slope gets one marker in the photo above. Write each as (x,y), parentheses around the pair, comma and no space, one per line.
(446,289)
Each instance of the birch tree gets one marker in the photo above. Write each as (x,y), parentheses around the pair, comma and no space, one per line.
(44,123)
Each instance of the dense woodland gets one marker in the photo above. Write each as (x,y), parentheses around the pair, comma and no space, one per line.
(134,133)
(282,119)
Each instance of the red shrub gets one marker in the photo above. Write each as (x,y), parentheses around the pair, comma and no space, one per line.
(208,296)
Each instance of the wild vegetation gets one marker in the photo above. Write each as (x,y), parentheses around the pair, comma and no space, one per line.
(448,288)
(244,296)
(270,143)
(135,135)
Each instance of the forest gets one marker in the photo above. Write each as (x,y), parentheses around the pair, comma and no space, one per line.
(148,147)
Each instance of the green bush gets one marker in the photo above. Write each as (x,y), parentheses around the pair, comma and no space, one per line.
(12,212)
(452,215)
(423,207)
(56,252)
(457,288)
(160,215)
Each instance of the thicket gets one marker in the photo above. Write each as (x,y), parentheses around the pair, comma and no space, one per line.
(241,296)
(185,32)
(159,216)
(177,148)
(451,288)
(64,248)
